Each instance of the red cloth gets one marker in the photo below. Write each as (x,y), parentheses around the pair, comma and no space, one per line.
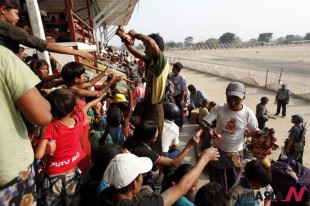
(85,164)
(140,63)
(69,151)
(138,93)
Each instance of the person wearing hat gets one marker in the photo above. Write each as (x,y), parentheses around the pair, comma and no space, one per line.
(294,145)
(262,113)
(124,175)
(233,119)
(282,99)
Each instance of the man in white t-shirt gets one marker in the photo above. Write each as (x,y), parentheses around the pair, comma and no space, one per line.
(233,119)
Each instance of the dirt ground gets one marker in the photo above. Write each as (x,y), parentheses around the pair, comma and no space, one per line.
(215,89)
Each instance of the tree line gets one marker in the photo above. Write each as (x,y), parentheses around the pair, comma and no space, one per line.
(229,38)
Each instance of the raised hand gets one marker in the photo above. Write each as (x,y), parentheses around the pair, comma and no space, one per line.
(194,140)
(214,134)
(210,154)
(86,55)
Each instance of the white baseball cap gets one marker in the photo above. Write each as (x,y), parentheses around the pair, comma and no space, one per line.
(125,168)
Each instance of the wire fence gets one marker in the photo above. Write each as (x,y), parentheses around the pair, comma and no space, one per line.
(299,86)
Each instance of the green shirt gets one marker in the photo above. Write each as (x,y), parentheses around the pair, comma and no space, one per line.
(16,152)
(156,76)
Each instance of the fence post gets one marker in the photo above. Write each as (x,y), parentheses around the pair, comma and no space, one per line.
(280,77)
(266,79)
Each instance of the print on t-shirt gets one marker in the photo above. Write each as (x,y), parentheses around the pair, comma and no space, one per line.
(230,127)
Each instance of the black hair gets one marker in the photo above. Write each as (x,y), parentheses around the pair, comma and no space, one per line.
(72,70)
(139,108)
(258,172)
(143,79)
(159,41)
(178,66)
(9,4)
(62,102)
(145,131)
(114,117)
(264,99)
(177,175)
(39,63)
(113,86)
(190,87)
(212,104)
(102,158)
(28,60)
(211,194)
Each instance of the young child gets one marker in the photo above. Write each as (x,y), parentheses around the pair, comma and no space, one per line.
(40,68)
(256,179)
(118,122)
(203,110)
(61,142)
(73,74)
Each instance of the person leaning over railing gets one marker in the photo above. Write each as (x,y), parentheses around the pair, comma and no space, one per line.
(11,36)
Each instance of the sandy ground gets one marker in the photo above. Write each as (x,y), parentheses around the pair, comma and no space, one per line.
(294,60)
(215,89)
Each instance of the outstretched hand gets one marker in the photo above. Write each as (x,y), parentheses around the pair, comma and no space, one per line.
(86,55)
(117,78)
(194,140)
(214,134)
(211,154)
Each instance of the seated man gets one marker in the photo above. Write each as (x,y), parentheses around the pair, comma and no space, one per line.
(196,98)
(124,174)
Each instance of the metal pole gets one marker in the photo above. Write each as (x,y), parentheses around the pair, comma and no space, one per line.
(266,79)
(280,77)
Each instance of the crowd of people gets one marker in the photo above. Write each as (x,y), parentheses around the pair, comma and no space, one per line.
(67,141)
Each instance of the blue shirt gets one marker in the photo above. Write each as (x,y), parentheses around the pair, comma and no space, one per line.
(196,99)
(179,83)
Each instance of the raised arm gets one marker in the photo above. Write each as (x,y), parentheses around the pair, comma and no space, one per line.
(57,48)
(165,161)
(93,81)
(50,77)
(128,115)
(93,103)
(182,187)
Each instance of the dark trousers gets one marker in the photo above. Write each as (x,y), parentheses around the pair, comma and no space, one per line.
(180,120)
(155,113)
(261,123)
(281,103)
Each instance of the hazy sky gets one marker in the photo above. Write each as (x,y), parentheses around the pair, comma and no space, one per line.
(202,19)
